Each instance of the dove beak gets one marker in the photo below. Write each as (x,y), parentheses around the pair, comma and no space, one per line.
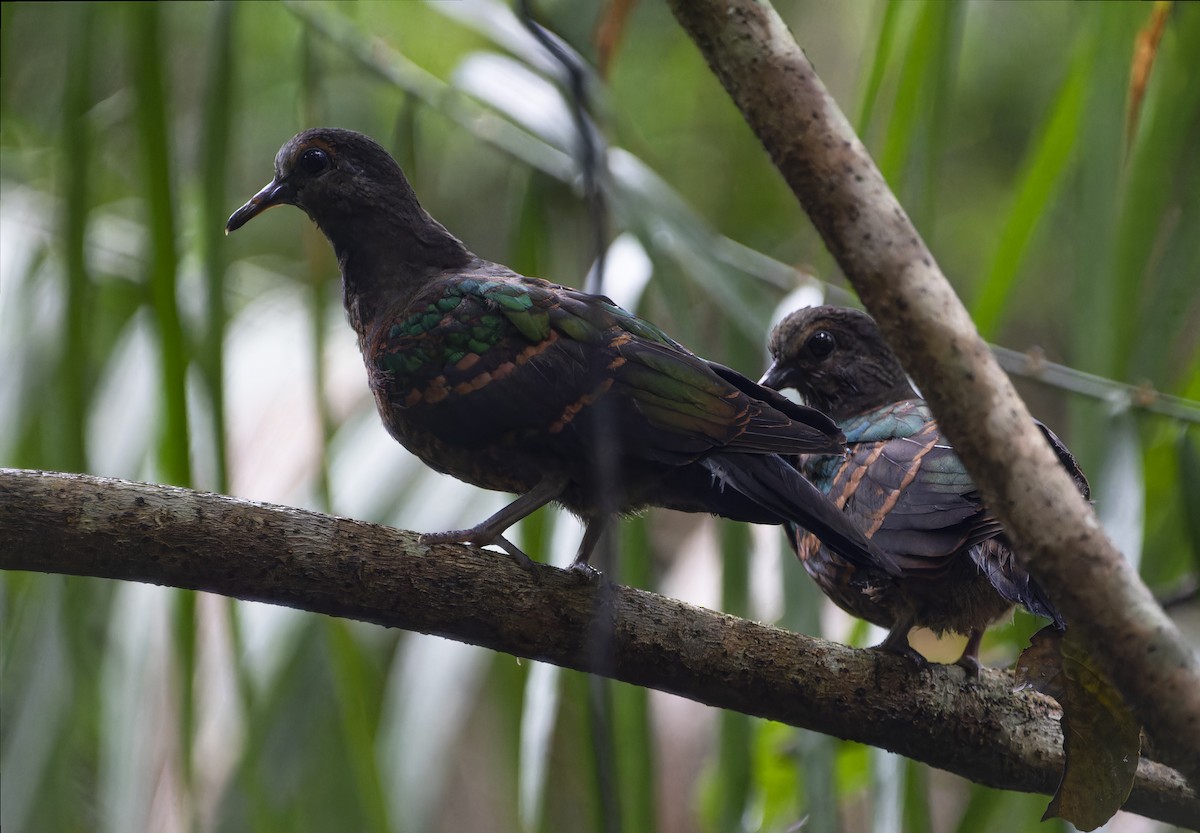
(773,378)
(276,193)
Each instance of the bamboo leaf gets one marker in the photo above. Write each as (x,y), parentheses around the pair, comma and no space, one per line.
(149,74)
(1037,184)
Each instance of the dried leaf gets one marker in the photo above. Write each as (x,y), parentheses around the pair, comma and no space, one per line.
(1145,50)
(1101,738)
(1040,665)
(609,31)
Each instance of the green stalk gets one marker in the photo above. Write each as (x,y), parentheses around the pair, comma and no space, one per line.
(218,119)
(355,692)
(888,32)
(74,369)
(1157,256)
(317,258)
(904,125)
(916,810)
(631,704)
(736,731)
(1100,71)
(149,71)
(735,764)
(1048,159)
(817,752)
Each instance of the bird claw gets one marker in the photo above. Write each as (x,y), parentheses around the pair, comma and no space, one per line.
(516,553)
(909,653)
(897,644)
(467,536)
(584,570)
(970,664)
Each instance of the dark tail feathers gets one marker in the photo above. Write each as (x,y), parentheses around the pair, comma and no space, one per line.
(996,559)
(771,482)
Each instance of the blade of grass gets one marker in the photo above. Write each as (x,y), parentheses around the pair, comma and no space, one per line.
(631,705)
(940,78)
(218,120)
(734,776)
(1105,54)
(909,123)
(1037,184)
(542,691)
(356,696)
(888,777)
(1189,465)
(915,128)
(604,756)
(1100,161)
(249,777)
(1156,248)
(74,371)
(888,33)
(916,811)
(317,259)
(39,711)
(803,601)
(149,71)
(983,805)
(736,732)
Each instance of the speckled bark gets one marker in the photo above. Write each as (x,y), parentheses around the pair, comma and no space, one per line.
(769,78)
(982,730)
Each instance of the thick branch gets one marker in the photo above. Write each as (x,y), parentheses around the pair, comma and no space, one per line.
(982,730)
(769,78)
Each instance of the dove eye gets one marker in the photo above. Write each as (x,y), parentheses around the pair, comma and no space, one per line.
(314,161)
(820,344)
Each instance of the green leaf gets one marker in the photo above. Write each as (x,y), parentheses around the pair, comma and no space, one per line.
(879,62)
(1036,187)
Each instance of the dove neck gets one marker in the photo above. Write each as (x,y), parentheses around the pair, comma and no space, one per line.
(388,254)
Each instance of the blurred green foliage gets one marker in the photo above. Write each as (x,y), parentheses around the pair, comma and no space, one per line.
(139,342)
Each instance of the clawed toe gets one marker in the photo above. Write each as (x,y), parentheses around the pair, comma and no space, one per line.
(516,553)
(897,643)
(584,570)
(969,664)
(473,538)
(907,652)
(969,661)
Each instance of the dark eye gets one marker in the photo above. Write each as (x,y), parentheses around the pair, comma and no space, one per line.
(820,344)
(313,161)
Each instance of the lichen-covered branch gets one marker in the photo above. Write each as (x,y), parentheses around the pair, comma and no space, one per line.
(980,729)
(810,141)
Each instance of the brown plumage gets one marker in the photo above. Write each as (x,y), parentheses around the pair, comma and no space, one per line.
(903,486)
(518,384)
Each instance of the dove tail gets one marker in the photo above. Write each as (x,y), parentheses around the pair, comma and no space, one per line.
(998,562)
(778,487)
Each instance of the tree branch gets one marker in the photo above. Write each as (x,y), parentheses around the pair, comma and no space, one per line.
(982,730)
(865,228)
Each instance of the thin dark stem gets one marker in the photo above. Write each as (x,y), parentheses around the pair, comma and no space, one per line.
(591,147)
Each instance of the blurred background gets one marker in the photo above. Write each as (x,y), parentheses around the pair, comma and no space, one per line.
(1046,151)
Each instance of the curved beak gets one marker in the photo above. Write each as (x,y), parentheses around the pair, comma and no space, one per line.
(276,193)
(775,378)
